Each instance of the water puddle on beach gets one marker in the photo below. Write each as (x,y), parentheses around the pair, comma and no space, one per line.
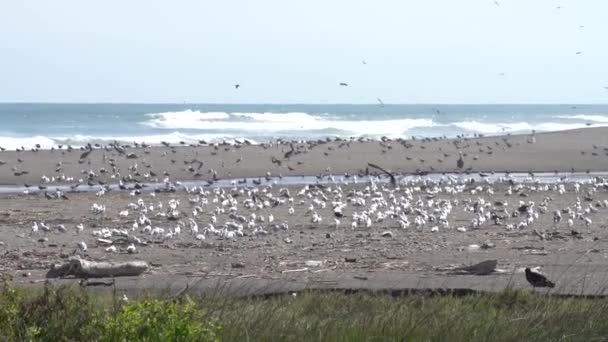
(540,178)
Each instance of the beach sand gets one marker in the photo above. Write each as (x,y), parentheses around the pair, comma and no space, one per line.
(560,151)
(411,258)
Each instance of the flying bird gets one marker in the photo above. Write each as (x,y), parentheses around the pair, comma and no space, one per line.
(343,84)
(382,103)
(537,279)
(237,86)
(393,180)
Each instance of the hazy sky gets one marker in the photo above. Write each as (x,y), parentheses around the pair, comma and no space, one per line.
(424,51)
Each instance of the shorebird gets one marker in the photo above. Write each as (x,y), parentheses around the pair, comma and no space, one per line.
(460,162)
(537,279)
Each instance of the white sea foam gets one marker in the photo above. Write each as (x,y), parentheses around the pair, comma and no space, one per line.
(281,122)
(518,127)
(12,143)
(592,118)
(78,140)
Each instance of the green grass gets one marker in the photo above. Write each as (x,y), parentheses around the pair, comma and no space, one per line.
(74,314)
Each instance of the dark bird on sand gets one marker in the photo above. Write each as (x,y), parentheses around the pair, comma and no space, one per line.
(460,162)
(393,180)
(537,279)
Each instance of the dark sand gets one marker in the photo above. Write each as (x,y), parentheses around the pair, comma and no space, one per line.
(575,257)
(561,151)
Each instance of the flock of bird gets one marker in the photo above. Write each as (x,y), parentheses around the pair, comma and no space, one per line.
(422,204)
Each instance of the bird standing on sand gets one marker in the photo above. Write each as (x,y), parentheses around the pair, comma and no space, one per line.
(537,279)
(460,162)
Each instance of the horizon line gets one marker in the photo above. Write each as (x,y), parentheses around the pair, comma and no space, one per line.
(314,103)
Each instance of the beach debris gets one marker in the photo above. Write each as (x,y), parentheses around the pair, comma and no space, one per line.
(473,247)
(538,280)
(237,265)
(483,268)
(80,268)
(387,233)
(313,263)
(350,259)
(488,245)
(296,270)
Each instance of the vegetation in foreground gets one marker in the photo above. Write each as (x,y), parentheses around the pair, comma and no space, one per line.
(74,314)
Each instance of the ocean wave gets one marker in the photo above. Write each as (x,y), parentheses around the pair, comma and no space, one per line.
(281,122)
(12,143)
(77,140)
(593,118)
(519,127)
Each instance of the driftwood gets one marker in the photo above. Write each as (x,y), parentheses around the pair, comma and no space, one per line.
(80,268)
(482,268)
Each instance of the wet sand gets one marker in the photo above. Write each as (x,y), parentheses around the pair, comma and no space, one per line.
(569,151)
(337,256)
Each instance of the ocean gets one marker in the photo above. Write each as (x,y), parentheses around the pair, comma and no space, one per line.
(27,124)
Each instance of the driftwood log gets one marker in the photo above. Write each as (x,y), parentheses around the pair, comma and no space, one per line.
(80,268)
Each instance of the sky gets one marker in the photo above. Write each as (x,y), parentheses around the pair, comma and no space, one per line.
(298,51)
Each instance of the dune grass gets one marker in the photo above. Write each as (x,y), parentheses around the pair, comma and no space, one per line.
(75,314)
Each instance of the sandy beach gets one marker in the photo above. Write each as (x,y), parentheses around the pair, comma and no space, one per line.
(577,150)
(292,249)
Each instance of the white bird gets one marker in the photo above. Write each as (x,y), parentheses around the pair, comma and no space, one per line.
(111,249)
(44,227)
(79,228)
(193,227)
(35,228)
(588,221)
(131,249)
(82,246)
(124,213)
(291,210)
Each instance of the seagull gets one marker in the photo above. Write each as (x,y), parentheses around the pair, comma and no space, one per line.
(537,279)
(343,84)
(131,249)
(82,246)
(380,101)
(237,86)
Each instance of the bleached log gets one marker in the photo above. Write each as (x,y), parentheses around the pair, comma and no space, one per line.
(81,268)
